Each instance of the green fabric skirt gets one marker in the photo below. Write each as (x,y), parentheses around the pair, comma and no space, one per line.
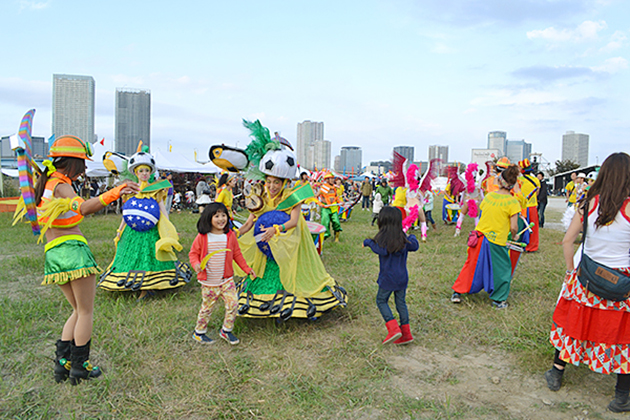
(70,260)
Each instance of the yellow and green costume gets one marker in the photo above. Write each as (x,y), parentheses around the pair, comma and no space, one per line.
(146,260)
(296,283)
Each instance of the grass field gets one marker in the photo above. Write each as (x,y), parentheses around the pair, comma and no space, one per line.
(331,368)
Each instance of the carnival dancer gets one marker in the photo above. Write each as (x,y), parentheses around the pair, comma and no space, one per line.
(212,253)
(69,261)
(587,328)
(530,185)
(488,265)
(276,242)
(329,203)
(392,245)
(146,240)
(452,196)
(471,198)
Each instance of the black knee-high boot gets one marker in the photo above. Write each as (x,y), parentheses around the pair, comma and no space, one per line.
(81,367)
(62,360)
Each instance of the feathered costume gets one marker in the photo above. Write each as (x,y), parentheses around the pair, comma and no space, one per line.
(292,280)
(454,188)
(145,252)
(471,198)
(416,188)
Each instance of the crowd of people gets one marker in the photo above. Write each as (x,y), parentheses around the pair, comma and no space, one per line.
(268,265)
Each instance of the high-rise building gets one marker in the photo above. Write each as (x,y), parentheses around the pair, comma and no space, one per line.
(438,152)
(350,160)
(321,154)
(73,106)
(133,120)
(517,150)
(337,166)
(406,151)
(498,140)
(309,133)
(575,147)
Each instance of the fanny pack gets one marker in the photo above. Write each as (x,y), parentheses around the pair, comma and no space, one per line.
(600,279)
(473,238)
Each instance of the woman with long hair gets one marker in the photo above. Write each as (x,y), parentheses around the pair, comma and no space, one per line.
(587,328)
(227,182)
(69,262)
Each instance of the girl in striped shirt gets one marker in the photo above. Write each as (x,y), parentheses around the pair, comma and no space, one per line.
(211,256)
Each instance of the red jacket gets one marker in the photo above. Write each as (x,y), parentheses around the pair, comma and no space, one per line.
(199,250)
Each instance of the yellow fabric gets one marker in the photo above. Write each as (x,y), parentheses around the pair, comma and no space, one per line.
(573,192)
(301,269)
(62,239)
(226,197)
(400,197)
(63,278)
(527,188)
(496,210)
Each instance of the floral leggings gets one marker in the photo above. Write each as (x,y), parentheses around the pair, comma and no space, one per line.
(210,295)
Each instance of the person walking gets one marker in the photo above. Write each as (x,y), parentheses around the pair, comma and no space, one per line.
(392,245)
(366,192)
(543,194)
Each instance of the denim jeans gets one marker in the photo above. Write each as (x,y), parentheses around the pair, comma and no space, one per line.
(366,202)
(541,214)
(382,296)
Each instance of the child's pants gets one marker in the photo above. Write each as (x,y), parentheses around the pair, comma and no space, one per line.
(429,216)
(210,295)
(382,296)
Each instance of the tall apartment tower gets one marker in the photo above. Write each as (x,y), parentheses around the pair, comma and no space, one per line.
(498,140)
(350,160)
(517,150)
(133,120)
(308,134)
(575,147)
(73,106)
(438,152)
(406,151)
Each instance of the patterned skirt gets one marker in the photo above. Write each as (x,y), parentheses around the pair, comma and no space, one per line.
(591,330)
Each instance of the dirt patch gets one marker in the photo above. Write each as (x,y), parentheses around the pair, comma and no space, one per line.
(486,385)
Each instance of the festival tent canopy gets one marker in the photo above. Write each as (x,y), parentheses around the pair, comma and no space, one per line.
(368,174)
(178,163)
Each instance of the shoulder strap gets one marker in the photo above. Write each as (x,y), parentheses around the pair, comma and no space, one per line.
(584,225)
(527,177)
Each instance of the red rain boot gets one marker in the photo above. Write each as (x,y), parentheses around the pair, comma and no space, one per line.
(406,335)
(393,331)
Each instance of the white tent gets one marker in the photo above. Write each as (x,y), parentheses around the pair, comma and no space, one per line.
(177,163)
(368,174)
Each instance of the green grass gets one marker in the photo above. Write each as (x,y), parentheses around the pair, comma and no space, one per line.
(332,368)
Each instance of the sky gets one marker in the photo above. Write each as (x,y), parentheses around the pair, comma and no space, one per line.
(378,73)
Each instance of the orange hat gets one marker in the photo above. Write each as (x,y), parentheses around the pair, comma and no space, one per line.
(328,175)
(70,146)
(503,163)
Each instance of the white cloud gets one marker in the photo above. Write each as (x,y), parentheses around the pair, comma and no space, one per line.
(612,65)
(585,31)
(33,5)
(616,41)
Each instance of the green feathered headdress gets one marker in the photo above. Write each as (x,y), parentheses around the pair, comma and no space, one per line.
(260,144)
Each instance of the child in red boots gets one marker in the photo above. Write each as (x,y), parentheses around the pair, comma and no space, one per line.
(391,245)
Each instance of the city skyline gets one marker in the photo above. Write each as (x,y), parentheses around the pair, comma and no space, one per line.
(534,69)
(133,120)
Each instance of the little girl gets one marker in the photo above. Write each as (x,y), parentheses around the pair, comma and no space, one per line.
(211,256)
(392,245)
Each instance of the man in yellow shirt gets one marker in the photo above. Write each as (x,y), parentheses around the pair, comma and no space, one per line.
(570,191)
